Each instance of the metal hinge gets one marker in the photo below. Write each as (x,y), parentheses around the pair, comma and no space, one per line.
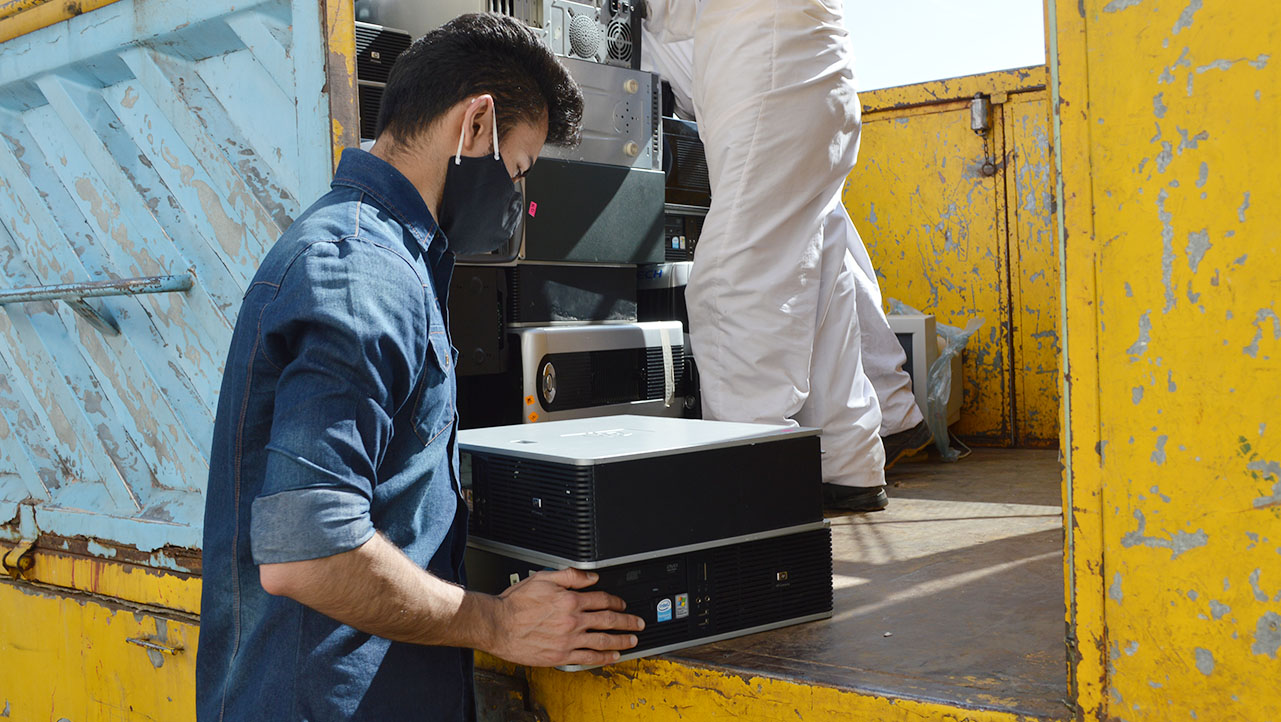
(19,560)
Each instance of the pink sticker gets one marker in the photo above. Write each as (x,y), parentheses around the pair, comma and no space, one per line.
(533,209)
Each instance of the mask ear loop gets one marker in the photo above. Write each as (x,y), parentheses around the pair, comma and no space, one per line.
(458,154)
(495,114)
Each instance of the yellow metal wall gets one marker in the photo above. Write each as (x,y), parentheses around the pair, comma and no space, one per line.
(1168,126)
(85,639)
(959,224)
(1034,269)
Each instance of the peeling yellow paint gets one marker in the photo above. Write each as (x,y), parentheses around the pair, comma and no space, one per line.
(340,69)
(1034,270)
(658,690)
(1168,113)
(126,582)
(958,225)
(78,657)
(19,17)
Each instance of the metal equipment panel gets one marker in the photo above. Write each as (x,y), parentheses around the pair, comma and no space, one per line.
(150,154)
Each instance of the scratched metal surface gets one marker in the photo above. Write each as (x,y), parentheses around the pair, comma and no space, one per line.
(143,138)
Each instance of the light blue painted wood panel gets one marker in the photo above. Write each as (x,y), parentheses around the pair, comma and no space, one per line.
(143,138)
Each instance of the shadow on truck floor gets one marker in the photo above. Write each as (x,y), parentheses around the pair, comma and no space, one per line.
(954,594)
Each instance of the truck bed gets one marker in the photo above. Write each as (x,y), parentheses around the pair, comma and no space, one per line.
(952,597)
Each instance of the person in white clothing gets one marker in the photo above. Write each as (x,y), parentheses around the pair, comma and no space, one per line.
(785,313)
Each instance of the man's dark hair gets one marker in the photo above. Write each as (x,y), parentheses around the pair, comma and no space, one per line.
(474,54)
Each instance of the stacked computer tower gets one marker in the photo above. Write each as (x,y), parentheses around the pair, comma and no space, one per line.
(577,393)
(707,530)
(687,199)
(549,327)
(577,315)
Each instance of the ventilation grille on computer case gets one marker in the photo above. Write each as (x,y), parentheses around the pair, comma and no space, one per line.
(619,38)
(376,51)
(747,590)
(370,97)
(656,372)
(772,579)
(533,504)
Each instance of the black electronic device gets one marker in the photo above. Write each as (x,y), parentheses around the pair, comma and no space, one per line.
(594,491)
(478,319)
(703,594)
(377,48)
(685,164)
(579,212)
(485,302)
(682,226)
(542,294)
(660,292)
(570,372)
(693,389)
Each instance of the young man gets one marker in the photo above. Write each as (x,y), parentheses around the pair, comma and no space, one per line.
(334,523)
(785,311)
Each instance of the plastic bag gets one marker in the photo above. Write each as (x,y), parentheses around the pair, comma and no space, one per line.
(939,384)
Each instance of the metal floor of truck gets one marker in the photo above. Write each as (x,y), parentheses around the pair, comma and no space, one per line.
(954,594)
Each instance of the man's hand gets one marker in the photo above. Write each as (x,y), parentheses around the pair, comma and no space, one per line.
(541,622)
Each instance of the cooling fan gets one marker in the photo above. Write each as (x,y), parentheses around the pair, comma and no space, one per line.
(619,40)
(584,36)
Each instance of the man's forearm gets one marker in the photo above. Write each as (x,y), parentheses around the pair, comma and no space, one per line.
(377,589)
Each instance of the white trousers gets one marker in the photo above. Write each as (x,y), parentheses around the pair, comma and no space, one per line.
(883,356)
(783,299)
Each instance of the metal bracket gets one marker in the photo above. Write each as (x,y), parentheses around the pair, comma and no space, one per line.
(154,646)
(74,295)
(20,559)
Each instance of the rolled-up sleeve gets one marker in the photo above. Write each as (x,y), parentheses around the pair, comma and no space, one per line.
(347,331)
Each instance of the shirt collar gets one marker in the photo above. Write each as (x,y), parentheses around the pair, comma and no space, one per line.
(381,180)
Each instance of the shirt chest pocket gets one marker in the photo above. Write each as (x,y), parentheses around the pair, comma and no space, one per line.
(434,403)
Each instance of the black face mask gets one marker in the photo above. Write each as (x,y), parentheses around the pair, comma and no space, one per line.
(480,205)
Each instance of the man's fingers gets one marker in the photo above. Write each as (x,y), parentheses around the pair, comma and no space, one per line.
(613,621)
(570,578)
(605,641)
(592,601)
(589,658)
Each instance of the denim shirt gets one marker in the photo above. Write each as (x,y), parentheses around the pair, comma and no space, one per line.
(336,420)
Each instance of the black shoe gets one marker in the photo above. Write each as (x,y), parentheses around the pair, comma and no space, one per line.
(854,498)
(906,443)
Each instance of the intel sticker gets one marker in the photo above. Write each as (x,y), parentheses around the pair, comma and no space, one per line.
(665,610)
(682,606)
